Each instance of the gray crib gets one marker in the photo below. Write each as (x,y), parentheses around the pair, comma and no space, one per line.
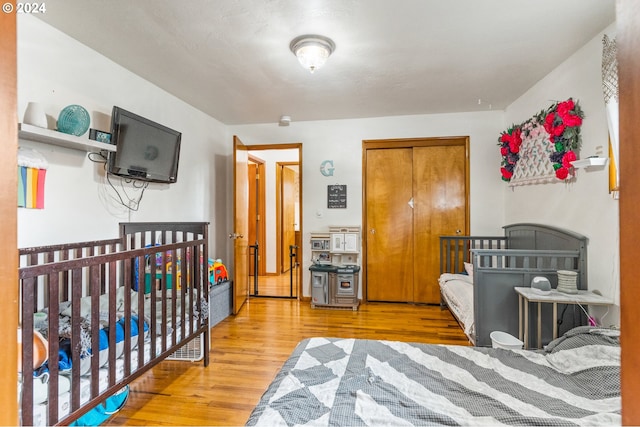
(501,263)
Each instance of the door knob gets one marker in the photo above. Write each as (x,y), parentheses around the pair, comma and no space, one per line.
(235,236)
(458,231)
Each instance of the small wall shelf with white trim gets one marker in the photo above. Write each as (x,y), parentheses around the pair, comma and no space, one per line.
(589,162)
(48,136)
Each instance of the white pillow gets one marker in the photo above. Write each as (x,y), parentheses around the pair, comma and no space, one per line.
(468,267)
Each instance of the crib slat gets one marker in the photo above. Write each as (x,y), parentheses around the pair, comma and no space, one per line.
(141,316)
(109,286)
(103,249)
(178,284)
(94,286)
(190,299)
(76,344)
(204,284)
(28,286)
(54,337)
(199,270)
(163,292)
(174,289)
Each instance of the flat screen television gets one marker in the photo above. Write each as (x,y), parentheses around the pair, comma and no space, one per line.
(145,150)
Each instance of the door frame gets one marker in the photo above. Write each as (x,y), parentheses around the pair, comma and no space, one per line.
(289,146)
(261,211)
(279,208)
(628,43)
(9,312)
(376,144)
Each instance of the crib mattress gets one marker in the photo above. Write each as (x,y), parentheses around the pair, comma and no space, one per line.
(40,385)
(457,291)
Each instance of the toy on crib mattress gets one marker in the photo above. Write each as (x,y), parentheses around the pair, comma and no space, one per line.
(217,272)
(157,277)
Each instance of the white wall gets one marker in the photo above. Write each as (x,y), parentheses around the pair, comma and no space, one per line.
(56,70)
(585,205)
(341,141)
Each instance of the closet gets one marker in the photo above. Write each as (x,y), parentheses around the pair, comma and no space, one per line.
(414,191)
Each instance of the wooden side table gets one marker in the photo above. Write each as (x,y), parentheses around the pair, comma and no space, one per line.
(527,295)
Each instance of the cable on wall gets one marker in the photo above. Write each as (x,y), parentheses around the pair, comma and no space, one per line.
(124,199)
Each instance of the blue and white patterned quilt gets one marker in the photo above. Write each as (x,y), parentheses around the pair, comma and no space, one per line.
(349,382)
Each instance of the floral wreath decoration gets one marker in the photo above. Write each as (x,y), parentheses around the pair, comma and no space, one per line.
(561,121)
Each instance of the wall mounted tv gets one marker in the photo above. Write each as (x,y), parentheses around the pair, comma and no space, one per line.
(145,150)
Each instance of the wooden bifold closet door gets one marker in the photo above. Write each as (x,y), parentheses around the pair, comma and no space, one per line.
(413,194)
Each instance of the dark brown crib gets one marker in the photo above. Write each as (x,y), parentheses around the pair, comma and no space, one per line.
(113,309)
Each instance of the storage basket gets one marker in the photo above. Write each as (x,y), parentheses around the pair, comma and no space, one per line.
(567,281)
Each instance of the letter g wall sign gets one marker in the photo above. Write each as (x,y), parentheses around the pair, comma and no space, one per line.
(326,168)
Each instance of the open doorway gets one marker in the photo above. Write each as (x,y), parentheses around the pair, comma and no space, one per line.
(275,200)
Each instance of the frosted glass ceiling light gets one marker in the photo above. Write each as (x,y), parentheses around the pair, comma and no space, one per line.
(312,50)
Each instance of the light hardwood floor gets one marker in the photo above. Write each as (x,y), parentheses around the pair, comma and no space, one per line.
(249,349)
(275,285)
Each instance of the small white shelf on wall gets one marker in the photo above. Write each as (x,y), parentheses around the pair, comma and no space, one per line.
(48,136)
(589,162)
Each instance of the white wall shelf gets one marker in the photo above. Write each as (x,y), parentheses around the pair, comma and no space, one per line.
(589,161)
(48,136)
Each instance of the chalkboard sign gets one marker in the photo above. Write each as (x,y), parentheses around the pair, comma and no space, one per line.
(336,196)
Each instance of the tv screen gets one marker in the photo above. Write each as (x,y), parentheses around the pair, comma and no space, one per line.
(145,150)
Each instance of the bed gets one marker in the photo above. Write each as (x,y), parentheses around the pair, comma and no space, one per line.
(96,315)
(348,382)
(478,274)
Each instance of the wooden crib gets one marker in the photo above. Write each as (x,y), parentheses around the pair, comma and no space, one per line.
(97,315)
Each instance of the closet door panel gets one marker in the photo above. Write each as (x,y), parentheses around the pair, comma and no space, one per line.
(389,225)
(439,182)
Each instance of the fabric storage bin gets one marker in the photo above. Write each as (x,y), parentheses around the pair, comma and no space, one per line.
(220,302)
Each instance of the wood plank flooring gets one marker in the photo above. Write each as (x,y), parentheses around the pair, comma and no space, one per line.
(250,348)
(275,285)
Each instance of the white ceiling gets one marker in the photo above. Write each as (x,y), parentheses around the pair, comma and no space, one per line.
(231,58)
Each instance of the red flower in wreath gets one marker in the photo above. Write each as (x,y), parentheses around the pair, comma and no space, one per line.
(568,157)
(562,173)
(559,130)
(569,114)
(548,123)
(509,142)
(516,141)
(506,174)
(573,121)
(564,108)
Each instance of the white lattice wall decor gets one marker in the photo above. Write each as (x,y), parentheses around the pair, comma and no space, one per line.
(542,149)
(534,166)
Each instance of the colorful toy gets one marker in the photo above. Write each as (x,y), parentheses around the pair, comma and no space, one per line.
(217,272)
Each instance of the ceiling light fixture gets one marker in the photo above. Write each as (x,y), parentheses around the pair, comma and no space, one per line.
(312,50)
